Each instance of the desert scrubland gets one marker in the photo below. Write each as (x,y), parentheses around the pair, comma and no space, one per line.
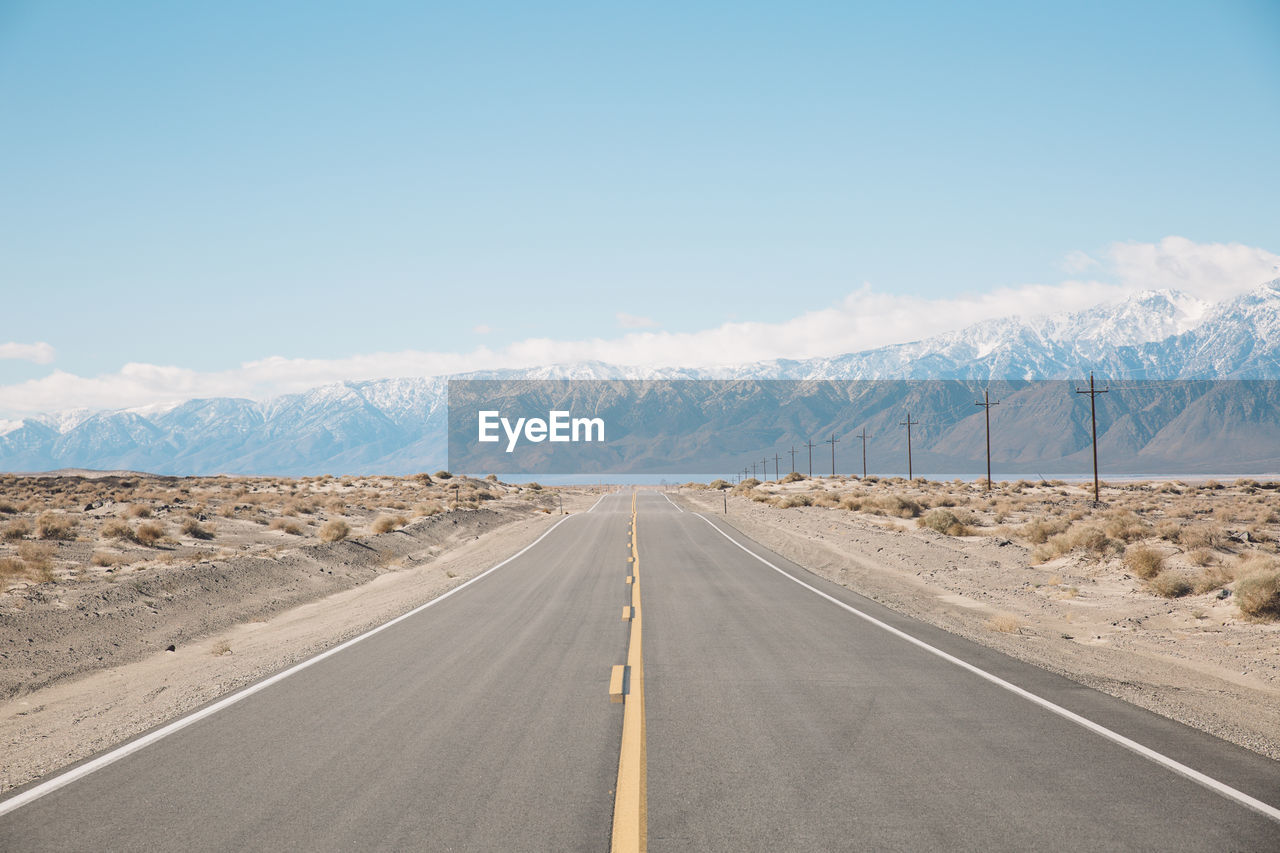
(128,599)
(1166,594)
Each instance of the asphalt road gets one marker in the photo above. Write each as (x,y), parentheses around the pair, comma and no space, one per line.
(776,721)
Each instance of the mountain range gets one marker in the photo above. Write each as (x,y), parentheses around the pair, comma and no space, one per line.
(399,425)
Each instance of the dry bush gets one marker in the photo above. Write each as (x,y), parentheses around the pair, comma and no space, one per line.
(16,529)
(12,568)
(107,559)
(898,506)
(193,528)
(387,523)
(1089,538)
(52,525)
(38,559)
(1211,578)
(1202,557)
(827,500)
(851,502)
(1125,526)
(1145,563)
(788,501)
(1038,530)
(336,529)
(149,533)
(793,477)
(285,525)
(116,528)
(943,521)
(1258,594)
(227,510)
(427,509)
(1005,623)
(1170,584)
(7,508)
(138,511)
(1202,536)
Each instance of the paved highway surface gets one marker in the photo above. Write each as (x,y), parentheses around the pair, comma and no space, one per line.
(777,720)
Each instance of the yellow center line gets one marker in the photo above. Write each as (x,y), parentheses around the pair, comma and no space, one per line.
(630,808)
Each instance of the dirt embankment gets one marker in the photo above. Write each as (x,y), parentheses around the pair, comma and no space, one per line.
(1193,658)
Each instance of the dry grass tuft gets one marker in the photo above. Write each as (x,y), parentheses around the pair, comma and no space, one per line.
(107,559)
(16,529)
(944,521)
(1258,594)
(193,528)
(1005,623)
(1171,584)
(1145,563)
(55,526)
(335,529)
(149,533)
(286,525)
(387,523)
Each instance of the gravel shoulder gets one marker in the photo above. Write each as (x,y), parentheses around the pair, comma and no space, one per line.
(1191,659)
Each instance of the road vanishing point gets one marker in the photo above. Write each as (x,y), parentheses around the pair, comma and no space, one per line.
(761,709)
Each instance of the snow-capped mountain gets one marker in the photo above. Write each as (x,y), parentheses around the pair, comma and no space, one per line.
(399,425)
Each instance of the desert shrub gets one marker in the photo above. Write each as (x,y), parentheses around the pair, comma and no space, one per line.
(1145,563)
(38,559)
(1125,526)
(1211,578)
(11,568)
(943,521)
(1258,594)
(827,500)
(193,528)
(336,529)
(1089,538)
(1005,623)
(1201,557)
(107,559)
(16,529)
(1170,584)
(719,484)
(788,501)
(149,533)
(533,487)
(851,502)
(793,477)
(52,525)
(1038,530)
(443,475)
(286,525)
(749,483)
(428,509)
(138,511)
(7,508)
(115,528)
(898,506)
(423,478)
(387,523)
(1202,536)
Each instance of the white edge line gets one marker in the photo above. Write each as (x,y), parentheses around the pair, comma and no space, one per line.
(29,796)
(596,504)
(1146,752)
(673,503)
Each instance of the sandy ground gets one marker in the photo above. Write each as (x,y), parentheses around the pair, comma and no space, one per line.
(1193,658)
(85,664)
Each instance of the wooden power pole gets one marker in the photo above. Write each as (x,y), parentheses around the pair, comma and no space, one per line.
(986,405)
(908,423)
(864,438)
(1093,420)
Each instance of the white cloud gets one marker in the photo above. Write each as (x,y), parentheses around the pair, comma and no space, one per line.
(40,353)
(863,320)
(482,329)
(631,321)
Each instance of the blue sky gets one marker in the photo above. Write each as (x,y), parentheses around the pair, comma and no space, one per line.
(193,187)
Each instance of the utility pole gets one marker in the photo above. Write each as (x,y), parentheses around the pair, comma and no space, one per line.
(864,438)
(1093,419)
(811,446)
(986,405)
(753,471)
(793,453)
(832,441)
(777,460)
(908,423)
(764,467)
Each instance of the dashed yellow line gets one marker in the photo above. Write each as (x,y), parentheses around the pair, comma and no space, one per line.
(630,808)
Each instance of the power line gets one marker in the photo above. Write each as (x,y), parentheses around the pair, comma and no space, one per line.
(832,441)
(811,446)
(793,453)
(777,460)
